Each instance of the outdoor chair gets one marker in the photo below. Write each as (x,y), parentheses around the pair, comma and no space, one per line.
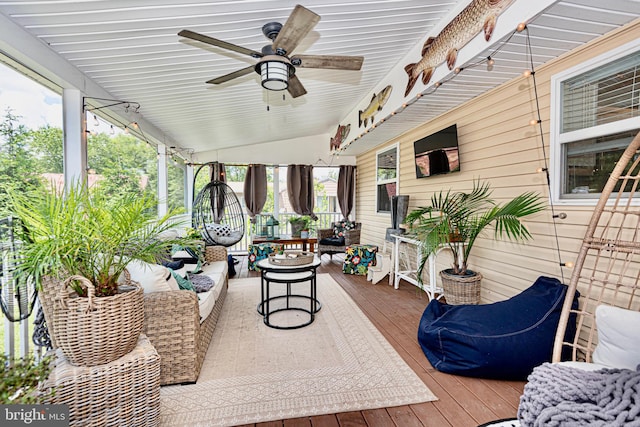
(336,239)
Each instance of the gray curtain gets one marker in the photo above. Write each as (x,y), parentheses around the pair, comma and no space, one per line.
(217,194)
(346,189)
(255,190)
(300,189)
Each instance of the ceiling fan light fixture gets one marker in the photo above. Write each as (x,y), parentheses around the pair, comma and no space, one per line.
(275,71)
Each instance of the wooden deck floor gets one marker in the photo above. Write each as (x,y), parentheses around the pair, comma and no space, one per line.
(396,313)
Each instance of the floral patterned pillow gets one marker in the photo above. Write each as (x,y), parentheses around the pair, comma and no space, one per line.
(342,226)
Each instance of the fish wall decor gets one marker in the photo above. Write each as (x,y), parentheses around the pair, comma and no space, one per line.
(376,104)
(477,16)
(341,136)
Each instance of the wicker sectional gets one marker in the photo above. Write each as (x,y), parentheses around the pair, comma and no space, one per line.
(172,323)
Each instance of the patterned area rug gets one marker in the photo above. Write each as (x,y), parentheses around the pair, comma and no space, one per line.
(253,373)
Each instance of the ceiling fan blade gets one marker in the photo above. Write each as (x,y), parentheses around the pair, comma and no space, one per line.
(295,87)
(219,43)
(333,62)
(300,22)
(231,76)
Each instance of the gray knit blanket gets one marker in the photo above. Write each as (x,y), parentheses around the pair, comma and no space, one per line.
(558,395)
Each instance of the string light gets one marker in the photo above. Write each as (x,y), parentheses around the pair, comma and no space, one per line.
(126,129)
(112,131)
(95,120)
(527,73)
(534,122)
(521,26)
(566,264)
(490,62)
(560,215)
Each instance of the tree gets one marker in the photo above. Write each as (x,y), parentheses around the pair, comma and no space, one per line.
(18,168)
(125,164)
(47,146)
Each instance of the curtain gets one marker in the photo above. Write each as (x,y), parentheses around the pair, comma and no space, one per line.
(216,172)
(346,189)
(300,189)
(255,190)
(218,193)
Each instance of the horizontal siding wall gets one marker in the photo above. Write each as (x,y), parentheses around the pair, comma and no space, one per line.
(498,145)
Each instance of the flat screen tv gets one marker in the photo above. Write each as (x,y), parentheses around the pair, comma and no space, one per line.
(437,153)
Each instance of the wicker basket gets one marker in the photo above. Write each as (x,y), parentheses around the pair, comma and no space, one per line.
(459,290)
(292,258)
(93,330)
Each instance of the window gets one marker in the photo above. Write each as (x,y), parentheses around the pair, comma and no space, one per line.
(598,115)
(386,178)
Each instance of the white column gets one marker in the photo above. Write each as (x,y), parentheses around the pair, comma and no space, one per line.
(163,192)
(74,137)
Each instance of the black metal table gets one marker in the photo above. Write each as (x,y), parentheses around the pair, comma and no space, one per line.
(270,274)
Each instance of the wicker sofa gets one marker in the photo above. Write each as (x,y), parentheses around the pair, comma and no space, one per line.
(173,324)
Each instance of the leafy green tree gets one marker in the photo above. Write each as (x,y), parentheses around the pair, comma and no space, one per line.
(47,146)
(125,164)
(18,168)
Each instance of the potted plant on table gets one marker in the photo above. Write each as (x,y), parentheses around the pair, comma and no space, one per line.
(300,224)
(76,247)
(455,220)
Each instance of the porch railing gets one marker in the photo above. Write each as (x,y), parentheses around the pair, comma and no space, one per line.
(325,219)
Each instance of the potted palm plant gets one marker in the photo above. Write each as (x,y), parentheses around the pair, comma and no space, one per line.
(455,220)
(77,247)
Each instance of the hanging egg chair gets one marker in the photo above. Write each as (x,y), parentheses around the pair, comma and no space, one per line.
(217,213)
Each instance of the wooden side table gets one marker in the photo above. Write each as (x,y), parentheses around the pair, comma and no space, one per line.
(125,392)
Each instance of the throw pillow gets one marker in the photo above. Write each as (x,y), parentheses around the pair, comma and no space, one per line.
(342,226)
(333,241)
(152,277)
(184,284)
(174,265)
(618,337)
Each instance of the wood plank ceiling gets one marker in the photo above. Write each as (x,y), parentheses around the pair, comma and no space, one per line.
(131,49)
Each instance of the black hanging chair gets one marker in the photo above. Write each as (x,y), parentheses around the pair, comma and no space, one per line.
(217,213)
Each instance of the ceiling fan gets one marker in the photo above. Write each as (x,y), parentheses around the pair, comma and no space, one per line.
(276,63)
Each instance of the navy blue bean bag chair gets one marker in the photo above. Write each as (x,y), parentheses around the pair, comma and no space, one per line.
(503,340)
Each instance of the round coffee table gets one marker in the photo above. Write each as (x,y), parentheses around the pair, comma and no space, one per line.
(272,273)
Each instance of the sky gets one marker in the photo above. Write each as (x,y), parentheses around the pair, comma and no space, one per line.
(36,105)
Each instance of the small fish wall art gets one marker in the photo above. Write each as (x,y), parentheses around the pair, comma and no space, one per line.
(341,136)
(376,104)
(479,15)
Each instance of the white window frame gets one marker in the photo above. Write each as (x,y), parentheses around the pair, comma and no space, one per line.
(556,163)
(395,180)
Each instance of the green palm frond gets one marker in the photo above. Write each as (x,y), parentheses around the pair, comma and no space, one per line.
(457,219)
(85,232)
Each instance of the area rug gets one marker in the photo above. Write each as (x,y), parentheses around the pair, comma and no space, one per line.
(253,373)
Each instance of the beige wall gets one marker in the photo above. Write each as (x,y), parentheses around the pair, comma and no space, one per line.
(497,144)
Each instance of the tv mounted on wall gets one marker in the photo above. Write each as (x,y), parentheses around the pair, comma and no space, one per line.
(437,153)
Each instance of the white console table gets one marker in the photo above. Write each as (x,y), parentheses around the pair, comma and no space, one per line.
(410,273)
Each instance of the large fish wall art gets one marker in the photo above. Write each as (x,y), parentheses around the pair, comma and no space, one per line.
(477,16)
(376,104)
(341,136)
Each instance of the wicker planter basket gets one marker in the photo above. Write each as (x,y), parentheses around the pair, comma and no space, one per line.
(459,290)
(93,331)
